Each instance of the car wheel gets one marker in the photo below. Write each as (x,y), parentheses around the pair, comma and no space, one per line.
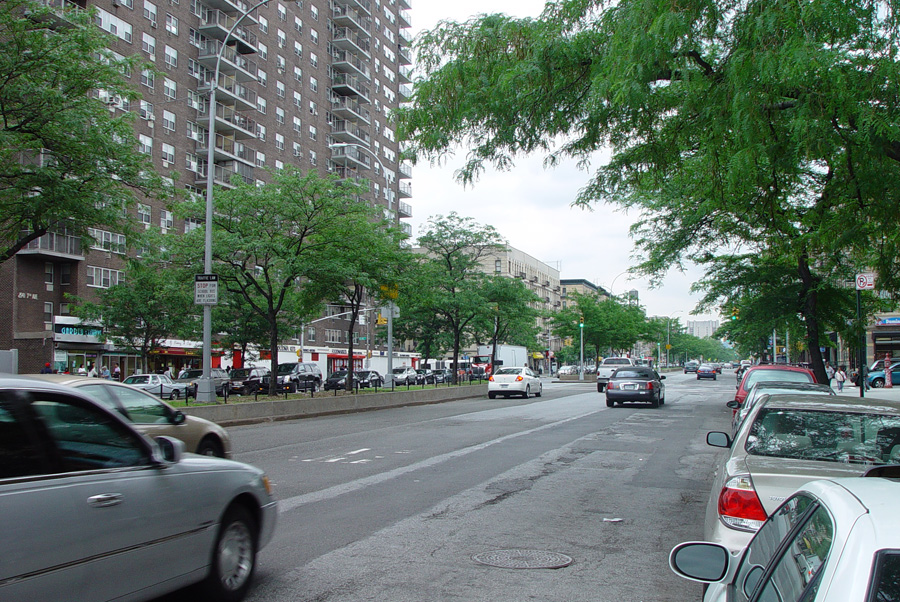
(878,383)
(527,392)
(492,395)
(246,390)
(654,403)
(600,387)
(610,403)
(175,394)
(540,391)
(210,447)
(292,387)
(714,378)
(234,557)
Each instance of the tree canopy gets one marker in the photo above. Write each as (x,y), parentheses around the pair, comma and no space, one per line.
(767,127)
(67,163)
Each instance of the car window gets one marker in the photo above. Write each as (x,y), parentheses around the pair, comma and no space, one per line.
(141,407)
(20,454)
(197,374)
(766,543)
(508,371)
(794,376)
(101,393)
(623,373)
(137,380)
(794,577)
(886,579)
(87,438)
(240,373)
(285,369)
(616,361)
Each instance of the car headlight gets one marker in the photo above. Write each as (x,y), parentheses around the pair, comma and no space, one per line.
(267,484)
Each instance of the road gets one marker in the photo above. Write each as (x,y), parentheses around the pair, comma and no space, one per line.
(393,505)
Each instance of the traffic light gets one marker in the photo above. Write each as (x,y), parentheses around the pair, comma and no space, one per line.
(581,322)
(735,313)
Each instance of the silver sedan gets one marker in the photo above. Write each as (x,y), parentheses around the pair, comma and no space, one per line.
(91,509)
(158,384)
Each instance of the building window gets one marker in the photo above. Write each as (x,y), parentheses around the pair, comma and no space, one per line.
(261,104)
(498,266)
(150,12)
(312,157)
(192,163)
(263,25)
(260,159)
(168,121)
(262,52)
(313,84)
(311,334)
(280,63)
(313,108)
(168,153)
(48,316)
(298,151)
(171,57)
(144,213)
(166,219)
(191,224)
(261,132)
(279,165)
(313,132)
(107,241)
(298,74)
(148,44)
(313,59)
(65,274)
(147,78)
(298,99)
(314,12)
(298,24)
(298,49)
(48,273)
(332,335)
(279,115)
(314,36)
(98,277)
(172,24)
(262,77)
(282,38)
(282,12)
(297,124)
(279,141)
(279,89)
(170,89)
(145,144)
(195,131)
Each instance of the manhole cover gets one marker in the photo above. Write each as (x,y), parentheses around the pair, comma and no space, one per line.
(523,559)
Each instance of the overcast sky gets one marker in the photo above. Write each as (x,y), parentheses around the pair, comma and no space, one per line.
(531,206)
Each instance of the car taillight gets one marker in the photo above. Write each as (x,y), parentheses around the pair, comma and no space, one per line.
(519,378)
(611,385)
(649,386)
(739,506)
(491,379)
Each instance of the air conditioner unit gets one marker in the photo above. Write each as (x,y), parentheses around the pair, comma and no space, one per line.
(116,3)
(153,23)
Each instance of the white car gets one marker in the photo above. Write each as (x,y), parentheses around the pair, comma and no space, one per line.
(91,509)
(159,384)
(832,541)
(514,381)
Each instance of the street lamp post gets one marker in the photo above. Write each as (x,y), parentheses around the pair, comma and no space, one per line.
(205,389)
(668,329)
(581,368)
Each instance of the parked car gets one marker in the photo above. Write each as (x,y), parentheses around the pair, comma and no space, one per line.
(691,367)
(514,381)
(566,370)
(247,381)
(763,388)
(149,414)
(877,378)
(158,384)
(219,377)
(299,376)
(338,381)
(786,441)
(404,375)
(637,384)
(705,371)
(831,541)
(369,378)
(424,376)
(443,376)
(759,373)
(95,510)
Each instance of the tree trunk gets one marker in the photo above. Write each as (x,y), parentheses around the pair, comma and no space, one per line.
(810,299)
(273,349)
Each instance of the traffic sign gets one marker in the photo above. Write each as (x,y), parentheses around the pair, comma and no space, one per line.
(206,289)
(865,281)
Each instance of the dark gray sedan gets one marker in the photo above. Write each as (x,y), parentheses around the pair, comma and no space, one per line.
(636,384)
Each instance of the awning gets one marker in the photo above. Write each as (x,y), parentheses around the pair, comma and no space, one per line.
(343,356)
(537,356)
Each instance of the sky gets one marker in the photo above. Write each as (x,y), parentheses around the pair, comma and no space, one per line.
(530,206)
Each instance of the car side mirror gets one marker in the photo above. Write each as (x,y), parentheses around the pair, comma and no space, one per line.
(700,561)
(169,450)
(718,439)
(662,377)
(178,417)
(734,405)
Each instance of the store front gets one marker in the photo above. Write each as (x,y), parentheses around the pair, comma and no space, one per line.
(886,337)
(340,361)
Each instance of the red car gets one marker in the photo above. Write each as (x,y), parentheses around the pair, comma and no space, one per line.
(765,372)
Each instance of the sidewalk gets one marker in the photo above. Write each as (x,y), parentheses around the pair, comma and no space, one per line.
(892,394)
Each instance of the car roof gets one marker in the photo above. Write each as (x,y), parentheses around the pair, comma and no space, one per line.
(877,495)
(787,384)
(834,403)
(12,381)
(776,367)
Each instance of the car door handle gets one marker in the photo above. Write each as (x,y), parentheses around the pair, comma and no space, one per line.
(105,500)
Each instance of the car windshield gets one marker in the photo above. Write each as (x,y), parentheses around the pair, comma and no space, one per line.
(827,436)
(137,380)
(240,373)
(622,373)
(339,374)
(796,376)
(285,368)
(508,371)
(399,370)
(193,374)
(616,361)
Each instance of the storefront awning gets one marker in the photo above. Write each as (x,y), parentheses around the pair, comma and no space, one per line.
(343,356)
(537,356)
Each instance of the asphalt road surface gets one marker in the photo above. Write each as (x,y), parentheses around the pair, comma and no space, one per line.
(420,503)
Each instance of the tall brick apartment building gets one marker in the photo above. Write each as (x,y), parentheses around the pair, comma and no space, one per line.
(308,84)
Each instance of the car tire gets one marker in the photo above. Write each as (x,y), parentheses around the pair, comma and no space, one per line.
(246,390)
(492,395)
(654,403)
(210,446)
(527,392)
(601,387)
(233,557)
(878,383)
(610,403)
(292,387)
(540,391)
(175,395)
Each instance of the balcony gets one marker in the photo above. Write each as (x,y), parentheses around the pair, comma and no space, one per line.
(57,245)
(57,18)
(216,24)
(348,62)
(229,87)
(223,175)
(404,57)
(233,122)
(348,107)
(405,20)
(405,36)
(232,7)
(348,39)
(227,148)
(404,209)
(405,74)
(405,190)
(364,5)
(406,91)
(406,227)
(404,4)
(348,131)
(405,169)
(350,156)
(233,63)
(350,85)
(347,16)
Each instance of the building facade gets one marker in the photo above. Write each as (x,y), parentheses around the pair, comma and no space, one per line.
(702,329)
(307,84)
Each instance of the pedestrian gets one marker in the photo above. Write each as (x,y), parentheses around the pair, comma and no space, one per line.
(104,372)
(81,371)
(168,372)
(93,371)
(116,373)
(182,372)
(829,371)
(840,376)
(47,369)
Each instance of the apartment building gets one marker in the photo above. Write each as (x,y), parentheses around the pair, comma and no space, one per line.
(702,328)
(582,287)
(309,84)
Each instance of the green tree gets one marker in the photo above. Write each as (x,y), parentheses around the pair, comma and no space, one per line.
(269,241)
(453,248)
(66,162)
(153,304)
(610,327)
(767,127)
(509,315)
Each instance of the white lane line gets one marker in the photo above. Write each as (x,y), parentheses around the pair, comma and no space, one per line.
(334,460)
(359,451)
(296,501)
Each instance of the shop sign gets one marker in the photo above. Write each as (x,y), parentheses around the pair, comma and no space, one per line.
(893,320)
(67,329)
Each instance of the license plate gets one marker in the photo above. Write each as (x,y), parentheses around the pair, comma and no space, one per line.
(629,387)
(503,386)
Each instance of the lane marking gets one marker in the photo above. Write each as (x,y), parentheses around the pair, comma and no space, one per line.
(296,501)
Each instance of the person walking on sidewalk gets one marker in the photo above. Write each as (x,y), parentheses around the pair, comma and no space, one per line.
(829,371)
(840,376)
